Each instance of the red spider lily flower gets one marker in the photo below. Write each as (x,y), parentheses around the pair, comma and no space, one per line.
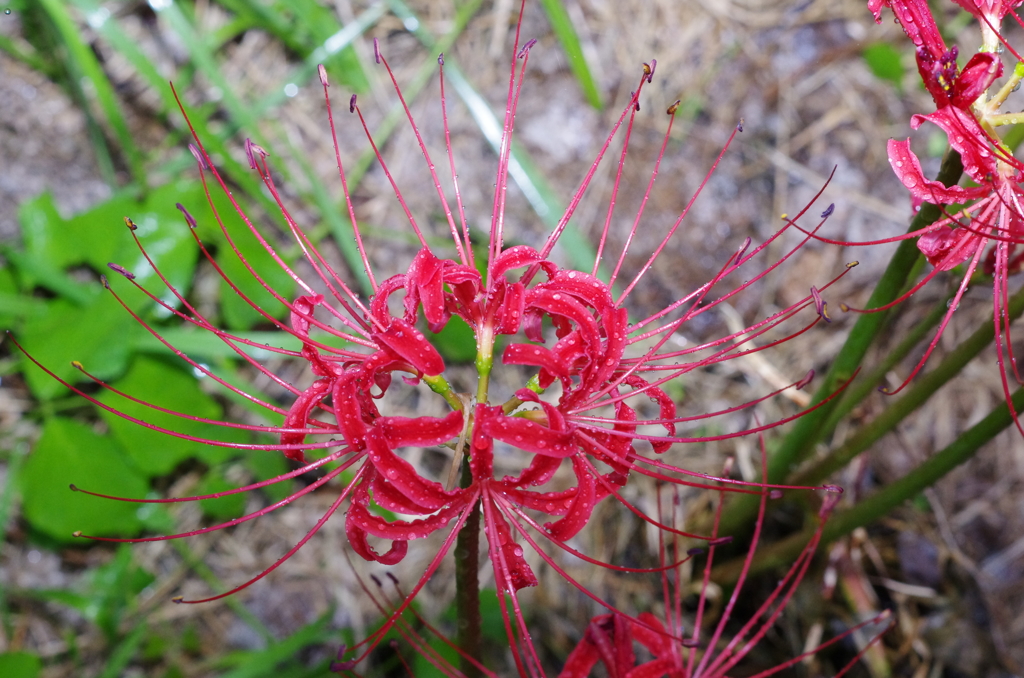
(989,213)
(581,411)
(679,653)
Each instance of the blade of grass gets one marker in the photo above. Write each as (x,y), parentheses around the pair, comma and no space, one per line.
(800,443)
(922,389)
(84,64)
(565,31)
(332,215)
(546,204)
(877,505)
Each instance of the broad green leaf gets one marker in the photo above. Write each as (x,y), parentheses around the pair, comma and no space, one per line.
(71,453)
(158,383)
(99,236)
(884,61)
(19,665)
(221,508)
(95,335)
(456,341)
(267,465)
(198,343)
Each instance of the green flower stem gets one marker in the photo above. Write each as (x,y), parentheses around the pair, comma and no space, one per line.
(441,387)
(882,502)
(867,384)
(922,389)
(809,429)
(484,361)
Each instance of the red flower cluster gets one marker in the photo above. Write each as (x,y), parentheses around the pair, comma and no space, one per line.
(968,111)
(581,410)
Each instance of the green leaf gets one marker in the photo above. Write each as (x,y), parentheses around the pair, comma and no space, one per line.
(19,665)
(198,343)
(267,465)
(456,341)
(95,335)
(70,453)
(99,236)
(267,663)
(884,61)
(221,508)
(153,452)
(113,590)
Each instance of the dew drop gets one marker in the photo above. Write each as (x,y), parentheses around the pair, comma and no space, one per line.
(518,550)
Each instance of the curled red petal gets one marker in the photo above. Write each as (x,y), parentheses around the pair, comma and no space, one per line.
(518,257)
(298,416)
(968,138)
(425,285)
(421,431)
(981,71)
(355,529)
(519,571)
(946,249)
(908,169)
(409,343)
(531,437)
(537,356)
(402,475)
(582,505)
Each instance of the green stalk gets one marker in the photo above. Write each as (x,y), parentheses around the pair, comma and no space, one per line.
(883,501)
(867,384)
(923,389)
(809,429)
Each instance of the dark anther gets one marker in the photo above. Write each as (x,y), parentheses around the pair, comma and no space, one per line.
(376,50)
(828,211)
(130,224)
(440,59)
(819,304)
(739,127)
(806,380)
(526,48)
(198,156)
(352,104)
(122,270)
(189,219)
(673,108)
